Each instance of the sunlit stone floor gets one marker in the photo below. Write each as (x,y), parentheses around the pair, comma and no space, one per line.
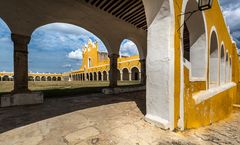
(102,120)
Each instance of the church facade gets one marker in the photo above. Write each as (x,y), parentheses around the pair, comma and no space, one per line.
(96,65)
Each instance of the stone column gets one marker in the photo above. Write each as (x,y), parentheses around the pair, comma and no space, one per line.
(143,71)
(121,76)
(102,76)
(113,70)
(130,76)
(20,63)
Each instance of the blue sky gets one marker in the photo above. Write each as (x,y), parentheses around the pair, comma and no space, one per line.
(57,47)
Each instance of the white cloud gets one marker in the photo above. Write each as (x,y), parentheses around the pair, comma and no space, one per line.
(128,48)
(77,54)
(67,65)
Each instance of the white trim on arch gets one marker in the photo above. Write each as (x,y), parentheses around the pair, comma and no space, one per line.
(188,64)
(213,29)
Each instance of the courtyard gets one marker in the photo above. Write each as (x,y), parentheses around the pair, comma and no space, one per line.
(98,119)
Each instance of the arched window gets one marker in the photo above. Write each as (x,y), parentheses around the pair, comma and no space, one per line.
(194,41)
(125,74)
(222,65)
(213,61)
(89,62)
(227,68)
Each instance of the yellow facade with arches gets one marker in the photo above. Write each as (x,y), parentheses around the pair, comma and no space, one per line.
(205,99)
(96,65)
(9,76)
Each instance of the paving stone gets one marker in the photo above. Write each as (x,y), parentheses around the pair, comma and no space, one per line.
(81,134)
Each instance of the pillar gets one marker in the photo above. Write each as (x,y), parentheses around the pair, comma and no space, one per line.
(143,72)
(113,70)
(130,76)
(102,76)
(20,63)
(121,76)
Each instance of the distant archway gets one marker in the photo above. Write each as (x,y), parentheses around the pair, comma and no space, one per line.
(99,76)
(135,73)
(49,78)
(5,78)
(54,78)
(37,78)
(105,76)
(43,78)
(125,73)
(95,76)
(30,78)
(59,78)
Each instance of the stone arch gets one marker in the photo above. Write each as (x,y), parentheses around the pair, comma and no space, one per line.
(213,60)
(37,78)
(30,78)
(195,40)
(99,76)
(93,30)
(5,78)
(135,73)
(54,78)
(49,78)
(222,64)
(125,74)
(59,79)
(43,78)
(105,75)
(95,76)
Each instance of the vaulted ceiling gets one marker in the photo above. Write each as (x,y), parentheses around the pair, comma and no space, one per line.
(131,11)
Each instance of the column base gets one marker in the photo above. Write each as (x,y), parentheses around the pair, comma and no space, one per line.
(157,121)
(119,90)
(17,99)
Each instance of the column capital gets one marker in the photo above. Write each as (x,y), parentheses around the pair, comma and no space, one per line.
(113,55)
(20,39)
(142,60)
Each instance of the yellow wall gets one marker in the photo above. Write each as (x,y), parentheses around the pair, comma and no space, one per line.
(219,106)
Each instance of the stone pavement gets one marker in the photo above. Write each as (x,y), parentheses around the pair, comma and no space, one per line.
(102,120)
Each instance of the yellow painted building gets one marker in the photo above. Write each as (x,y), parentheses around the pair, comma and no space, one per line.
(9,76)
(95,66)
